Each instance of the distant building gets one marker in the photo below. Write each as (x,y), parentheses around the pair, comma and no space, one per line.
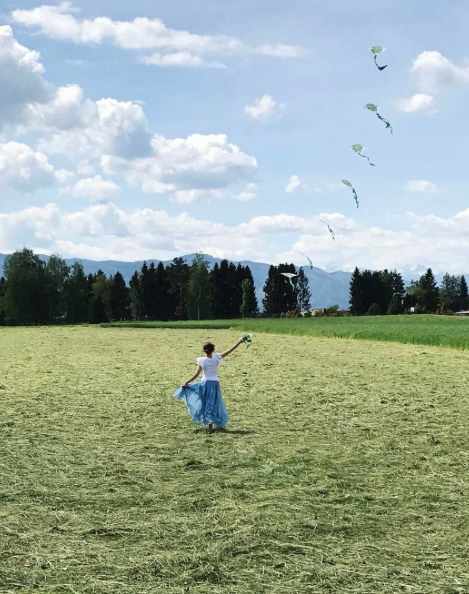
(462,313)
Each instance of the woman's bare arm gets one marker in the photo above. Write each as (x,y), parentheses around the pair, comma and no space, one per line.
(233,348)
(194,377)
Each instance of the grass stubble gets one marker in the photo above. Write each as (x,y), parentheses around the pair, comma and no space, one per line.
(345,469)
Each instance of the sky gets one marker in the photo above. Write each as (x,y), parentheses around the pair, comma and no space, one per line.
(141,130)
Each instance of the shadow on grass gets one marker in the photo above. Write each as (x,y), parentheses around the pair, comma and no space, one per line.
(227,431)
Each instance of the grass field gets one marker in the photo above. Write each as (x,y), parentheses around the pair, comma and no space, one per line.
(345,470)
(446,331)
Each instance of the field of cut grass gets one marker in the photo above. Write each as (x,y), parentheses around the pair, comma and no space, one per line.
(449,331)
(345,469)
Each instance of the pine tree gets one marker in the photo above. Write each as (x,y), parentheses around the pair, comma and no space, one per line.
(147,287)
(178,273)
(356,294)
(268,301)
(287,297)
(163,302)
(217,292)
(398,294)
(304,294)
(57,272)
(199,306)
(119,298)
(136,297)
(253,304)
(463,295)
(430,291)
(76,292)
(3,288)
(245,306)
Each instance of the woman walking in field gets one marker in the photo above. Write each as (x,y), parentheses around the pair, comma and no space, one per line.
(204,399)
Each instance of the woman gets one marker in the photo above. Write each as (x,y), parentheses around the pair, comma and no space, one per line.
(204,399)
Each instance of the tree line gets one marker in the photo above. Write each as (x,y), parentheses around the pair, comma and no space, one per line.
(384,292)
(33,292)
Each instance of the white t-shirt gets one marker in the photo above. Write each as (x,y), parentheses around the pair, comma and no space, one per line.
(210,366)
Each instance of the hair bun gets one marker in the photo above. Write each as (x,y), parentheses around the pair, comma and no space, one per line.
(208,348)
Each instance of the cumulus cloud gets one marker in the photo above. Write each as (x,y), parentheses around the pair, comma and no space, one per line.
(198,162)
(24,169)
(421,186)
(95,188)
(21,78)
(104,231)
(420,103)
(434,71)
(263,108)
(180,48)
(294,185)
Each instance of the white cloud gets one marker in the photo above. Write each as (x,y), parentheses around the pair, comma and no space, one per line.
(178,46)
(294,185)
(104,231)
(420,103)
(421,186)
(199,162)
(281,50)
(117,128)
(263,108)
(435,71)
(195,196)
(95,188)
(21,78)
(181,59)
(24,169)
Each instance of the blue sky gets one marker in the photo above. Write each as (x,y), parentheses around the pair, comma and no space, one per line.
(82,173)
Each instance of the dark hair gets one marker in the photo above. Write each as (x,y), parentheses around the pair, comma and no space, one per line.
(209,348)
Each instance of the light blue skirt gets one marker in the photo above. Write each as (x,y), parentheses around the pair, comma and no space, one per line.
(204,402)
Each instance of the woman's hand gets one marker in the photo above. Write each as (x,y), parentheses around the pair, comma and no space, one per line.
(185,385)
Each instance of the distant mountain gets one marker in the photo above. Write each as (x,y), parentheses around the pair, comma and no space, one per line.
(328,288)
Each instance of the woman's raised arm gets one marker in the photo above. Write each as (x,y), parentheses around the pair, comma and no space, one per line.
(233,348)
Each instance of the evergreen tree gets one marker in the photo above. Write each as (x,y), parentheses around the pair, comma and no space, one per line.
(218,288)
(119,298)
(199,290)
(162,296)
(430,291)
(147,287)
(357,307)
(398,294)
(99,300)
(232,292)
(463,295)
(3,288)
(151,292)
(237,291)
(178,273)
(76,292)
(245,306)
(252,299)
(26,299)
(450,292)
(268,301)
(286,296)
(304,294)
(137,306)
(57,272)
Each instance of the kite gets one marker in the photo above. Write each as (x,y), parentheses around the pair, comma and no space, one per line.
(374,108)
(290,277)
(349,184)
(333,233)
(359,148)
(247,339)
(376,50)
(308,258)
